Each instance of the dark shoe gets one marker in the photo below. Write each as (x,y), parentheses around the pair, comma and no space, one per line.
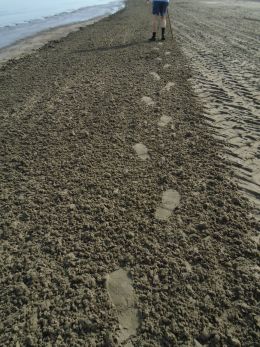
(152,39)
(163,38)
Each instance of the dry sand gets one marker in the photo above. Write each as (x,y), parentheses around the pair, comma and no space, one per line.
(85,259)
(221,40)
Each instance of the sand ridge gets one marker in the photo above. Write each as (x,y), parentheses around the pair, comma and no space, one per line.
(78,204)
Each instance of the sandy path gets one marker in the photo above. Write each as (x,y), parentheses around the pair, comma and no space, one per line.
(221,39)
(100,245)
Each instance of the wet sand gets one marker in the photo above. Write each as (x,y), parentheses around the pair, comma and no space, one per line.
(221,40)
(31,44)
(120,224)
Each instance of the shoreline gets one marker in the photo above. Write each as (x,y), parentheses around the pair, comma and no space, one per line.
(120,223)
(32,43)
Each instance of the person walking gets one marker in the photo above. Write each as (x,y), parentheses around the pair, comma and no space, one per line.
(159,11)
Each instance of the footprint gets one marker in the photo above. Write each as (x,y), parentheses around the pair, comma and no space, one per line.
(155,76)
(168,86)
(141,151)
(170,200)
(148,101)
(121,292)
(164,120)
(167,53)
(188,266)
(166,66)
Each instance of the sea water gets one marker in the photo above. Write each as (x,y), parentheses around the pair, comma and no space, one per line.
(23,18)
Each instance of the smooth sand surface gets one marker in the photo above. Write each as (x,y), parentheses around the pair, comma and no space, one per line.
(221,40)
(83,259)
(121,292)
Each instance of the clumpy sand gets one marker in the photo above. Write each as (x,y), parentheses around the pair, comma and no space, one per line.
(85,260)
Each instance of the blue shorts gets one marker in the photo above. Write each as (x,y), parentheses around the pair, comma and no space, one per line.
(160,8)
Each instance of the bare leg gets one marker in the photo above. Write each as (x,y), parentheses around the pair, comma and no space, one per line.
(155,21)
(163,26)
(163,22)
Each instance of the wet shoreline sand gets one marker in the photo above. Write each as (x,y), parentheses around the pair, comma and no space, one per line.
(120,220)
(31,44)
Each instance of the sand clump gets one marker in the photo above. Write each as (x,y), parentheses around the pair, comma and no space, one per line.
(78,204)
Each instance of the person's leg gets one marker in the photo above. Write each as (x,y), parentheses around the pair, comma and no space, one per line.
(163,13)
(155,23)
(163,26)
(155,13)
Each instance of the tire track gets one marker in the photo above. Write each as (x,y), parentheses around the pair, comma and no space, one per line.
(222,47)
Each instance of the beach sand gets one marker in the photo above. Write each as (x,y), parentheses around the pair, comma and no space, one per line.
(221,40)
(121,224)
